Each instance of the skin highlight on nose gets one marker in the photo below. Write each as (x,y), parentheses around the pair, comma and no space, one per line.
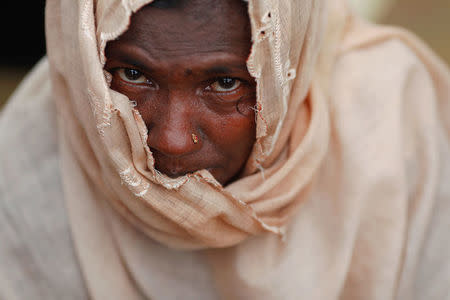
(172,137)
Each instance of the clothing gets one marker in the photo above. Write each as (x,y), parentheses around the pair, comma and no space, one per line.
(343,196)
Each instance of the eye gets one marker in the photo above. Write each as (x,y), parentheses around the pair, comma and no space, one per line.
(225,84)
(131,76)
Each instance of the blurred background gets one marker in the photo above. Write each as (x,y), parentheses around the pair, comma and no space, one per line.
(23,43)
(23,39)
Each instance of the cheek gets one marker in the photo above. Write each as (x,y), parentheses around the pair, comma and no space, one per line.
(148,109)
(233,138)
(233,135)
(145,100)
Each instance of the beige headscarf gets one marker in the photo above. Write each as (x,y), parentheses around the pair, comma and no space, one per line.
(102,129)
(350,160)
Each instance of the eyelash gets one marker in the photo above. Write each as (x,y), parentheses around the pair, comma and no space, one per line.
(120,71)
(238,81)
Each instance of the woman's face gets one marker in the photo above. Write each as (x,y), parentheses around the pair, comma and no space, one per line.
(183,63)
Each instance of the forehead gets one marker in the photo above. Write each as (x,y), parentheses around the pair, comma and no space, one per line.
(192,27)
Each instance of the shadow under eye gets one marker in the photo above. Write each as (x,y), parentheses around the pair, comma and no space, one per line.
(245,105)
(242,103)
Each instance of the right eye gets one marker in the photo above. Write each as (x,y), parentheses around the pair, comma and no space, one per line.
(132,76)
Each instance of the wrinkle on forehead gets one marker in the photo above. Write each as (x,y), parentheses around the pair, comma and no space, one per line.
(198,29)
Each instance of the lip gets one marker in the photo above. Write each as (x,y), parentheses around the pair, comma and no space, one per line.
(175,167)
(178,172)
(174,173)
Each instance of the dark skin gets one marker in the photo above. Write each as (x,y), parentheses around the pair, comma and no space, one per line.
(184,65)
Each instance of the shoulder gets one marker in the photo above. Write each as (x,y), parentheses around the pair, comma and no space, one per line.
(389,97)
(383,77)
(378,60)
(28,147)
(36,256)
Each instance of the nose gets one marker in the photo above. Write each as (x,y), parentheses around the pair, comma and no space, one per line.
(174,133)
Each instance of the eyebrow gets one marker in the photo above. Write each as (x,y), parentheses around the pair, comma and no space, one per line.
(218,70)
(224,69)
(125,56)
(130,60)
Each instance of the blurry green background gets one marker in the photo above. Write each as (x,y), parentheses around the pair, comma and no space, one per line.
(24,44)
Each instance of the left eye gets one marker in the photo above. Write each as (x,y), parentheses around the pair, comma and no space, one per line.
(131,76)
(225,84)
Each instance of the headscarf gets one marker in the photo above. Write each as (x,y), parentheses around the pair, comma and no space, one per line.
(337,169)
(108,138)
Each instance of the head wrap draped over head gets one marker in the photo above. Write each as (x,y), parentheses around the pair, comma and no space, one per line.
(113,191)
(107,136)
